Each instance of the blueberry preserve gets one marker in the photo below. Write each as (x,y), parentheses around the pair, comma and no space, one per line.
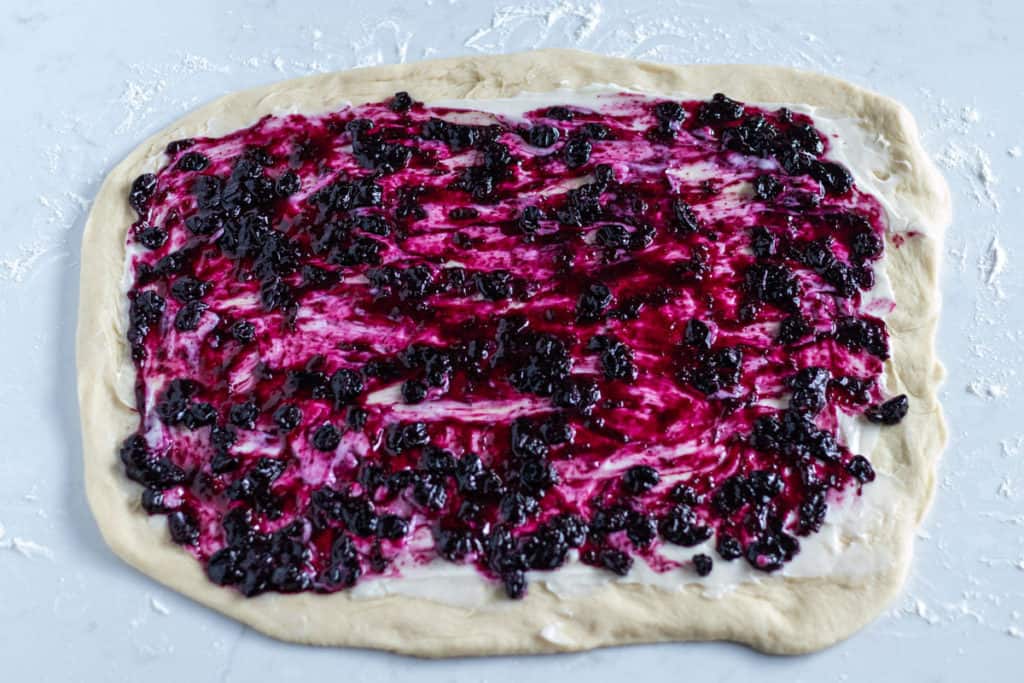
(398,334)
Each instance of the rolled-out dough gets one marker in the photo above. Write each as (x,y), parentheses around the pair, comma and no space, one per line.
(775,614)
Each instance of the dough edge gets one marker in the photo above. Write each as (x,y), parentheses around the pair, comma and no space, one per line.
(775,614)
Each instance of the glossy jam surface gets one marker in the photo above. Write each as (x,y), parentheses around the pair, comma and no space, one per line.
(395,333)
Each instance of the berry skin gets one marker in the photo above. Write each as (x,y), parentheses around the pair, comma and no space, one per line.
(288,417)
(542,135)
(866,246)
(346,385)
(402,437)
(392,527)
(762,242)
(615,561)
(514,583)
(684,220)
(834,178)
(183,528)
(729,548)
(560,114)
(669,113)
(792,329)
(641,530)
(244,415)
(153,501)
(288,184)
(860,469)
(593,302)
(684,493)
(192,161)
(414,391)
(697,334)
(640,479)
(147,308)
(437,461)
(430,492)
(767,188)
(889,413)
(495,286)
(863,333)
(243,331)
(576,152)
(401,102)
(702,564)
(152,238)
(188,316)
(176,146)
(720,110)
(681,526)
(141,190)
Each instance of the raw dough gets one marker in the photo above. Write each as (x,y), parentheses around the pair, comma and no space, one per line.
(775,614)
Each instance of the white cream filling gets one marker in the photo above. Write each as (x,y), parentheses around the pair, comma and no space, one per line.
(842,547)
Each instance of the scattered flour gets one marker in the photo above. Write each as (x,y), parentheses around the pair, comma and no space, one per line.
(508,19)
(975,165)
(136,99)
(14,268)
(370,49)
(1012,447)
(191,64)
(996,261)
(159,607)
(987,177)
(26,548)
(987,389)
(922,610)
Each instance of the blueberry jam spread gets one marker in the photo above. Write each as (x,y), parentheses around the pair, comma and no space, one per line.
(397,334)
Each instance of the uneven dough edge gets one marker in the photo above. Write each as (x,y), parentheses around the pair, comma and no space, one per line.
(776,614)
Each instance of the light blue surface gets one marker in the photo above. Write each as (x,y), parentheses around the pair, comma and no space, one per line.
(84,82)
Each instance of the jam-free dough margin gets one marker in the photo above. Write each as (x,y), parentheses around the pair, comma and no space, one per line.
(775,614)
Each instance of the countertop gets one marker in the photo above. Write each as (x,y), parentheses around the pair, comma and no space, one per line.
(85,82)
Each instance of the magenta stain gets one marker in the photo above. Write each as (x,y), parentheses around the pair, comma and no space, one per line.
(607,329)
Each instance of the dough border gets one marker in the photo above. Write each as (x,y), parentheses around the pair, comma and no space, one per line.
(774,614)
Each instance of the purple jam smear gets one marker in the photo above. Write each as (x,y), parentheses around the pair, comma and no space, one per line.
(385,335)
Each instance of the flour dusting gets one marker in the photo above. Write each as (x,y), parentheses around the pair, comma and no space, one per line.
(585,17)
(987,389)
(16,267)
(136,99)
(159,607)
(26,548)
(370,49)
(975,165)
(996,262)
